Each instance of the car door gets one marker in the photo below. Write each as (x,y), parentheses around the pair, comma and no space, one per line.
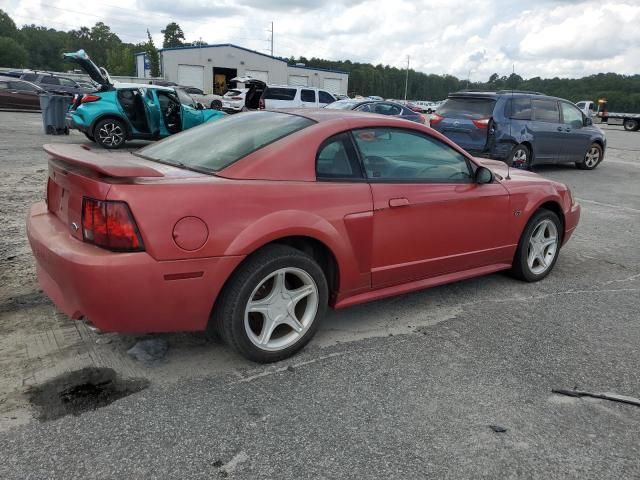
(430,217)
(189,114)
(577,138)
(25,95)
(7,99)
(325,98)
(308,98)
(152,110)
(547,131)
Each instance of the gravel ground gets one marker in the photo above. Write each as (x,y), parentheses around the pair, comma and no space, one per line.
(401,388)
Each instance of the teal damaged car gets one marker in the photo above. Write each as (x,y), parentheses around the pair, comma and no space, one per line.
(117,112)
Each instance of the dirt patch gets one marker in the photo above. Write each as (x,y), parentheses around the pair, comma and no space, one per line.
(81,391)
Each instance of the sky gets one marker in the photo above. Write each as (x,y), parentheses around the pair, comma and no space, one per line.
(466,38)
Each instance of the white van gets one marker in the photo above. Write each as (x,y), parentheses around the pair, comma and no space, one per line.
(292,96)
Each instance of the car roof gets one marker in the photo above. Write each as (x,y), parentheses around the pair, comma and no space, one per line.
(15,79)
(122,85)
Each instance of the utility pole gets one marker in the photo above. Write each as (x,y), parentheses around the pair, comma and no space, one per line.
(406,81)
(272,39)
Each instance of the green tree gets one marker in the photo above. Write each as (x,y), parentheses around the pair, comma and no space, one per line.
(173,36)
(7,25)
(154,57)
(12,54)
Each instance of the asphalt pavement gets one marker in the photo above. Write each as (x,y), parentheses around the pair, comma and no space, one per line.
(406,387)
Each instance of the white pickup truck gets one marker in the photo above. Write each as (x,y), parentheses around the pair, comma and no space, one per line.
(630,121)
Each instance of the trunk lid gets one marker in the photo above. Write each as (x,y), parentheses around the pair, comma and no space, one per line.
(97,74)
(461,116)
(76,171)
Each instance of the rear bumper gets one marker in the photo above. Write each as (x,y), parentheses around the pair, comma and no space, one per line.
(70,122)
(123,292)
(571,219)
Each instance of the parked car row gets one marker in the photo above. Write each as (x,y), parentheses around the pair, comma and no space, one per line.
(19,94)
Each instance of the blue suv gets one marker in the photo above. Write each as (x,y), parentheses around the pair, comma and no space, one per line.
(521,128)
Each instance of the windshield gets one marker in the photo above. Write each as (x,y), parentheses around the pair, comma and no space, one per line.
(343,105)
(467,107)
(216,145)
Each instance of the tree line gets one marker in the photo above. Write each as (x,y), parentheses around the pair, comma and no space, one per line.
(38,47)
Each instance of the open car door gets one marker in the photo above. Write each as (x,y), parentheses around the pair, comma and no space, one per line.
(152,110)
(97,74)
(256,89)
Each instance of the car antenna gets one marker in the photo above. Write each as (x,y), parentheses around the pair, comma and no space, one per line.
(508,177)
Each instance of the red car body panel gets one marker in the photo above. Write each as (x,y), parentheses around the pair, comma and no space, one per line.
(386,238)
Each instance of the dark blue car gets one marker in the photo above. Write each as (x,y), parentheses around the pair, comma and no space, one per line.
(521,128)
(381,107)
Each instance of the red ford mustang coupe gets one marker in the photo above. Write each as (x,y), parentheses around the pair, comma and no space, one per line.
(251,226)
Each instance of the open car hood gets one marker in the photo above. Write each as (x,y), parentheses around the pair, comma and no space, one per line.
(97,74)
(247,80)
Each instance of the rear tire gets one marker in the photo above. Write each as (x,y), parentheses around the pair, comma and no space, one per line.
(520,157)
(592,158)
(272,305)
(631,125)
(538,248)
(110,133)
(216,105)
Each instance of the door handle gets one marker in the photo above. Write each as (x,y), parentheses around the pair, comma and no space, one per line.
(398,202)
(567,130)
(559,129)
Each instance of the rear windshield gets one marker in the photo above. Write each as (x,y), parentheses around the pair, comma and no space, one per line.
(280,93)
(232,93)
(216,145)
(343,105)
(467,107)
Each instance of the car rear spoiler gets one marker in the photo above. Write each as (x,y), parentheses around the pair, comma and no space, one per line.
(109,164)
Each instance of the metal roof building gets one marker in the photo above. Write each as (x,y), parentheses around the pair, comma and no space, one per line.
(211,68)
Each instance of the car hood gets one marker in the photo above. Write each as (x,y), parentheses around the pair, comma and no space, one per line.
(97,74)
(500,168)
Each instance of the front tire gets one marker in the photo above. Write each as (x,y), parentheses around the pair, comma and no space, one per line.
(272,305)
(592,158)
(538,248)
(110,133)
(631,125)
(520,157)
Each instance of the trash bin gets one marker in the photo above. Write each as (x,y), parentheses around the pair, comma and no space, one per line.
(54,109)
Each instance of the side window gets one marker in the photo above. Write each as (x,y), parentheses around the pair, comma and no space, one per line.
(23,86)
(580,104)
(67,83)
(397,155)
(50,81)
(364,108)
(307,95)
(519,108)
(30,77)
(337,159)
(386,109)
(280,93)
(571,115)
(324,97)
(545,111)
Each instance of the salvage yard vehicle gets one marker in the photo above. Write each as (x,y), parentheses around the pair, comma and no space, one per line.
(18,94)
(56,84)
(630,121)
(252,236)
(118,112)
(521,128)
(295,96)
(209,100)
(380,107)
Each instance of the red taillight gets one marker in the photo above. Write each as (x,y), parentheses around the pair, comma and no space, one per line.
(261,104)
(436,119)
(89,98)
(236,98)
(481,123)
(109,224)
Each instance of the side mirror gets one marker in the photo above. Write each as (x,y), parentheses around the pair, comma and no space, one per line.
(484,175)
(199,106)
(588,122)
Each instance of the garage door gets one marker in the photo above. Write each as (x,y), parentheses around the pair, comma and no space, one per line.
(258,75)
(191,76)
(333,85)
(299,80)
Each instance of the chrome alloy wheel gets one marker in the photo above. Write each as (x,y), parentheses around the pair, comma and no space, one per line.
(281,309)
(543,247)
(592,157)
(519,159)
(111,134)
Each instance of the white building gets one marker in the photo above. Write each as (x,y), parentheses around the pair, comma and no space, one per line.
(212,67)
